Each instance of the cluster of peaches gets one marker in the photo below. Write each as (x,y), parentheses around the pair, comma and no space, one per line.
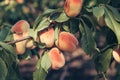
(66,42)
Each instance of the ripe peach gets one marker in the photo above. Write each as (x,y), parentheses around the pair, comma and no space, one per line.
(20,46)
(72,7)
(20,1)
(30,44)
(20,27)
(47,36)
(67,42)
(116,55)
(57,58)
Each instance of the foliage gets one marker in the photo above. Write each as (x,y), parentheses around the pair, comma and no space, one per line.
(85,24)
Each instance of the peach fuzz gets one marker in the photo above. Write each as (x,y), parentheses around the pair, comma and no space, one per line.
(57,58)
(47,36)
(72,7)
(67,42)
(116,55)
(20,27)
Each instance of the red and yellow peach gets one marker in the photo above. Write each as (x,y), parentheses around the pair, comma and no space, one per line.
(72,7)
(116,55)
(67,42)
(47,36)
(57,58)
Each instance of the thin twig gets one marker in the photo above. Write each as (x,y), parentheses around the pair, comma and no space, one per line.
(18,40)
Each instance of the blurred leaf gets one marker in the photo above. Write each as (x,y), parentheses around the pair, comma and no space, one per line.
(57,31)
(5,32)
(48,11)
(88,42)
(13,74)
(8,48)
(3,70)
(115,12)
(8,58)
(98,12)
(103,60)
(90,3)
(73,25)
(26,55)
(8,54)
(59,17)
(90,22)
(43,24)
(112,24)
(46,62)
(66,27)
(103,1)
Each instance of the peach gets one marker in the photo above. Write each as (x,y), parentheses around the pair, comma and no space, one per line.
(20,46)
(20,27)
(67,42)
(57,58)
(72,7)
(21,30)
(7,1)
(20,1)
(116,55)
(30,44)
(47,36)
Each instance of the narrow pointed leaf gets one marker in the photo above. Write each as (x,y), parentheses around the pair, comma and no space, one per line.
(46,62)
(3,70)
(88,42)
(103,60)
(115,13)
(112,24)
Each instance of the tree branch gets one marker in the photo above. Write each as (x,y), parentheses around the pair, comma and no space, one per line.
(18,40)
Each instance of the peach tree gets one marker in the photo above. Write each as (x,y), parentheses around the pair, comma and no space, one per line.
(54,32)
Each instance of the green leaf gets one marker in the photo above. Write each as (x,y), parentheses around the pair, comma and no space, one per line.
(115,12)
(112,24)
(46,62)
(8,54)
(41,17)
(43,24)
(73,25)
(5,32)
(48,11)
(8,48)
(32,33)
(88,42)
(98,12)
(8,58)
(40,73)
(103,60)
(3,70)
(13,74)
(57,31)
(103,1)
(90,3)
(26,55)
(59,17)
